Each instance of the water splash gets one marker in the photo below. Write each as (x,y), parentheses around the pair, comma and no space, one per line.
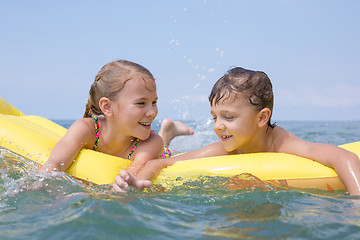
(19,176)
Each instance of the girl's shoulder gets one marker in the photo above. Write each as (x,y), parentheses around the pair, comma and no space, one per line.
(83,124)
(154,139)
(82,130)
(153,146)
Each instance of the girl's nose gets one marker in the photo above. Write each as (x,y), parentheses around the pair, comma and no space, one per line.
(152,112)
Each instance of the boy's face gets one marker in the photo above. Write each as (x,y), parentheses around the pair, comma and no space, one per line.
(235,123)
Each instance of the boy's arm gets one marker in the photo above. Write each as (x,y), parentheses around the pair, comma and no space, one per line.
(154,167)
(345,163)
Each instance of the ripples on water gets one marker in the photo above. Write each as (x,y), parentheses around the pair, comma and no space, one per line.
(40,206)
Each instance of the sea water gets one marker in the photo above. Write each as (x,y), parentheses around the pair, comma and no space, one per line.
(35,206)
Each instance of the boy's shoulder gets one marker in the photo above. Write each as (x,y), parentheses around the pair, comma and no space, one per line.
(283,138)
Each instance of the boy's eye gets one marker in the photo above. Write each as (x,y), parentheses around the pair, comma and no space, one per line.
(140,103)
(154,102)
(228,117)
(214,118)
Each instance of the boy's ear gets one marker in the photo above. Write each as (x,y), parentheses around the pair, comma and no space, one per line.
(105,106)
(264,116)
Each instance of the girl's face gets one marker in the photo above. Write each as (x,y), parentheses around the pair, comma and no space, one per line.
(235,123)
(136,107)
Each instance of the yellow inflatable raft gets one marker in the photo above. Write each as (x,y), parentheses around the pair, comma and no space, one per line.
(33,137)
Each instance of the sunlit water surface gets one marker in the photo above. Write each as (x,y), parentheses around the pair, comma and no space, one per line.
(35,206)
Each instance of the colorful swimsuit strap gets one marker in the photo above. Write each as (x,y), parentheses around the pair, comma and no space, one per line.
(133,148)
(165,154)
(97,132)
(166,151)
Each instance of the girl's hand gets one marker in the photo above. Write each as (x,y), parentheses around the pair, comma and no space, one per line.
(126,179)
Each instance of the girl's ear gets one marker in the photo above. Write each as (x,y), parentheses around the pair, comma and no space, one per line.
(105,106)
(264,116)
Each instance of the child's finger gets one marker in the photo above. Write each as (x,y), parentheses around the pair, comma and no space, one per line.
(125,179)
(145,183)
(125,174)
(121,183)
(117,188)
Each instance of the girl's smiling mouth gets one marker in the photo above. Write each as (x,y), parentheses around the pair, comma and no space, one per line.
(145,124)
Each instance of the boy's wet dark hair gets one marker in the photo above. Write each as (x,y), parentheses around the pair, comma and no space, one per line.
(255,86)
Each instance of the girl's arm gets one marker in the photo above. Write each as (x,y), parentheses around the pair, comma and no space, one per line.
(78,136)
(345,163)
(147,150)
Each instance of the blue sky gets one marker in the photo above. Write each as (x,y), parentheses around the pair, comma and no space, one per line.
(50,52)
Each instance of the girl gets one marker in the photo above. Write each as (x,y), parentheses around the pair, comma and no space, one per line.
(117,120)
(241,105)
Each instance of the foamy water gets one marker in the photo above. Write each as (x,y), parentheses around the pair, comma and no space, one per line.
(40,206)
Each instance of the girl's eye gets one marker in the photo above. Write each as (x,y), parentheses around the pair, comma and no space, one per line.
(214,118)
(154,102)
(229,117)
(140,103)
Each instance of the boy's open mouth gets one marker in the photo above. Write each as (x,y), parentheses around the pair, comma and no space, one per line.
(225,137)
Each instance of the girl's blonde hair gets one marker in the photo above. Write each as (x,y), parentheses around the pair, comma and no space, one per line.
(110,80)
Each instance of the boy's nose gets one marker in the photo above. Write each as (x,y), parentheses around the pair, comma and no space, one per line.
(219,125)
